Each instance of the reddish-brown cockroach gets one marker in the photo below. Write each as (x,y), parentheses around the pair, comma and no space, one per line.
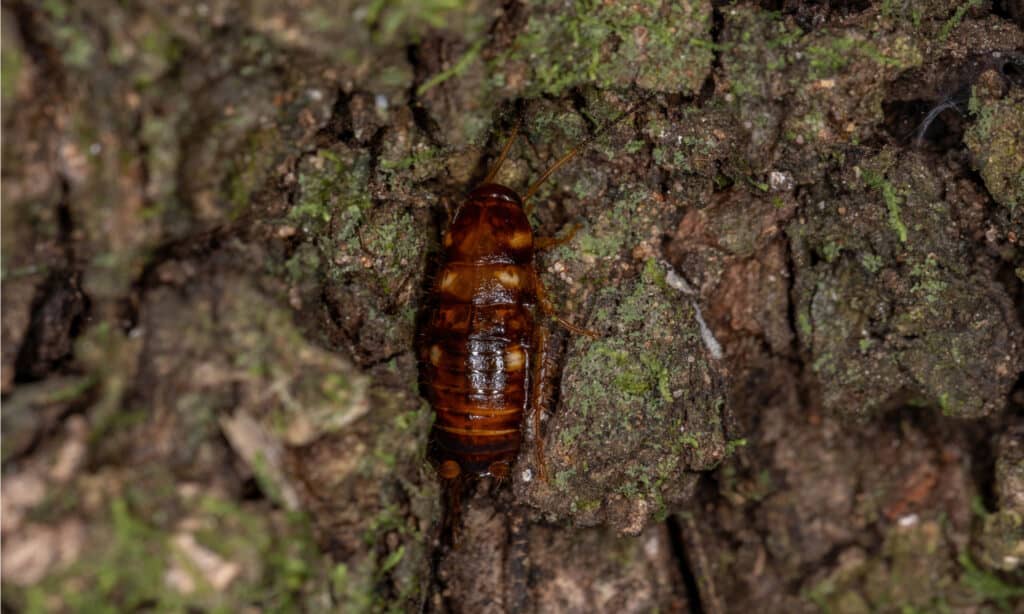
(481,349)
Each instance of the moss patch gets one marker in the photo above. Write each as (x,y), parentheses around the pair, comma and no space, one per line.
(648,399)
(656,45)
(996,143)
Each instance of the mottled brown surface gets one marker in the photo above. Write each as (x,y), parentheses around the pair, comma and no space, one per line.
(803,257)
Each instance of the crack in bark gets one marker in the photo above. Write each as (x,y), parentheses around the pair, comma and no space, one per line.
(685,568)
(688,546)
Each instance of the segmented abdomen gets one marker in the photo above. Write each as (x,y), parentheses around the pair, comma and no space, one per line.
(476,356)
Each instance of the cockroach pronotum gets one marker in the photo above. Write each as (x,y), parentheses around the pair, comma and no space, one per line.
(481,349)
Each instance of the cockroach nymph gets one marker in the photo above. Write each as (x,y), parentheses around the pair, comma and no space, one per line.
(481,347)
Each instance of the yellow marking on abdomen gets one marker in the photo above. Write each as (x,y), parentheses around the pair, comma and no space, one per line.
(508,278)
(448,280)
(515,358)
(435,355)
(520,240)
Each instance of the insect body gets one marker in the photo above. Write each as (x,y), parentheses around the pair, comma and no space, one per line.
(478,347)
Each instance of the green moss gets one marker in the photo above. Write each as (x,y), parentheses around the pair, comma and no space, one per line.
(958,15)
(12,61)
(159,42)
(394,241)
(821,592)
(74,44)
(303,264)
(808,126)
(332,186)
(944,404)
(929,281)
(423,157)
(803,323)
(997,146)
(130,571)
(455,70)
(634,374)
(266,478)
(831,251)
(562,479)
(250,168)
(826,60)
(74,389)
(829,56)
(291,564)
(635,146)
(569,435)
(656,46)
(758,43)
(364,253)
(892,202)
(851,318)
(987,585)
(386,237)
(129,558)
(872,262)
(637,385)
(913,570)
(735,444)
(391,20)
(600,246)
(146,51)
(1000,543)
(613,230)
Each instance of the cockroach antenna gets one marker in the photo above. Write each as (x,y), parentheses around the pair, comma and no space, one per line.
(583,144)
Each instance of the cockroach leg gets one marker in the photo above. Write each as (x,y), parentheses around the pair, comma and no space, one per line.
(498,469)
(572,328)
(548,309)
(549,242)
(538,393)
(449,210)
(500,472)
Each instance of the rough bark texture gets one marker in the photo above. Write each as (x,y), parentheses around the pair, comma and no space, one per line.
(803,254)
